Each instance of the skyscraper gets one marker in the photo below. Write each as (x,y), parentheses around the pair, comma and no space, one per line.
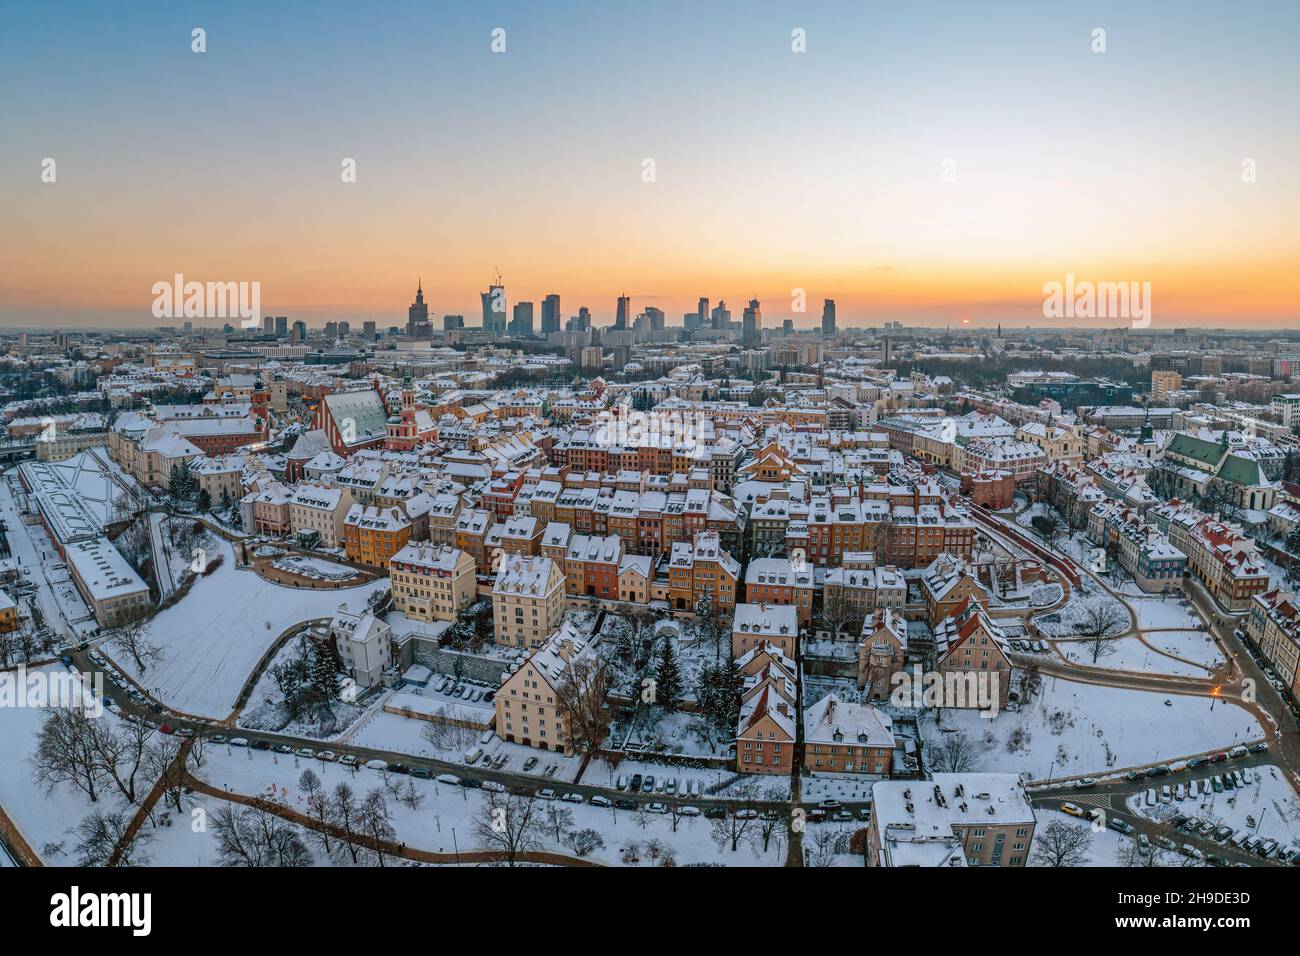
(417,316)
(494,308)
(752,326)
(703,311)
(522,321)
(828,318)
(624,312)
(551,314)
(720,316)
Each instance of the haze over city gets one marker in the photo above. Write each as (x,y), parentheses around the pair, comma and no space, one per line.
(927,165)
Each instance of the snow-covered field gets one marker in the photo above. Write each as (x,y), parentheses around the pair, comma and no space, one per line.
(1195,646)
(1130,654)
(1269,801)
(1067,621)
(1170,612)
(265,708)
(1073,728)
(213,638)
(444,821)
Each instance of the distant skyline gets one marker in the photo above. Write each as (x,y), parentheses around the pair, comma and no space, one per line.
(927,165)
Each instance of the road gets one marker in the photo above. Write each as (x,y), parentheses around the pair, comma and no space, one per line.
(1112,798)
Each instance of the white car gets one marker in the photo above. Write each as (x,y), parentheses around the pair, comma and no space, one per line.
(377,764)
(689,811)
(547,794)
(599,801)
(493,787)
(448,779)
(656,808)
(572,798)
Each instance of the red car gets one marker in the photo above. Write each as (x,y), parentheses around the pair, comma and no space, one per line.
(1219,757)
(167,729)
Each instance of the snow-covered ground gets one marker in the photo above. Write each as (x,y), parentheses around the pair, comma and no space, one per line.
(1066,621)
(1195,646)
(1106,849)
(1171,612)
(1130,654)
(445,820)
(213,638)
(1073,728)
(1268,801)
(47,819)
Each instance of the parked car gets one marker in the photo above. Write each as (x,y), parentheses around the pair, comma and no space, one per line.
(261,745)
(529,764)
(635,785)
(306,752)
(1237,751)
(493,787)
(450,780)
(1073,809)
(746,814)
(1119,826)
(282,749)
(218,738)
(472,756)
(546,794)
(689,811)
(625,804)
(648,784)
(377,764)
(239,741)
(328,756)
(572,798)
(621,783)
(715,813)
(348,759)
(422,773)
(1259,748)
(596,801)
(656,808)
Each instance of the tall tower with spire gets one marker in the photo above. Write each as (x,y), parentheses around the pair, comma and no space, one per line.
(417,316)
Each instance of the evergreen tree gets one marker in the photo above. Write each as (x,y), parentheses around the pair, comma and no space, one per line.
(205,500)
(668,678)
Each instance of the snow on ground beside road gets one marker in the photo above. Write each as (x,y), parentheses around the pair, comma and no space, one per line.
(1130,654)
(1268,798)
(1193,645)
(1072,729)
(1107,847)
(448,809)
(213,637)
(1170,612)
(45,820)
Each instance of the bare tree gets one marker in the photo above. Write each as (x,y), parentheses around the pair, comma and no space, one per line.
(770,821)
(1062,844)
(162,763)
(375,822)
(580,696)
(1101,625)
(510,824)
(255,836)
(101,834)
(447,731)
(135,641)
(584,842)
(822,852)
(318,806)
(955,753)
(66,752)
(838,610)
(344,814)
